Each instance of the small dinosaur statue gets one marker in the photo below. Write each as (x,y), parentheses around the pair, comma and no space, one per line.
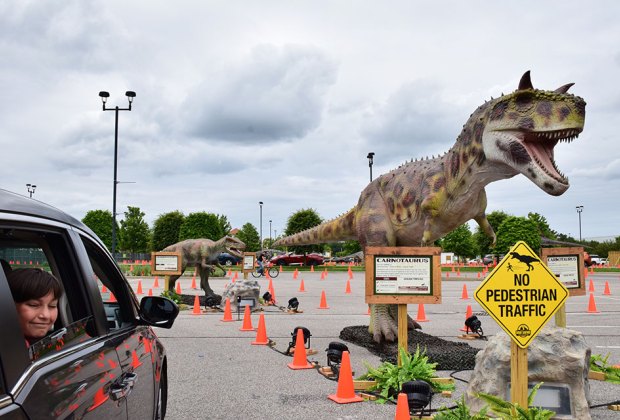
(202,254)
(421,201)
(525,259)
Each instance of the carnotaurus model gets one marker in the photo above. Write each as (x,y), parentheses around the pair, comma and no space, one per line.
(202,254)
(421,201)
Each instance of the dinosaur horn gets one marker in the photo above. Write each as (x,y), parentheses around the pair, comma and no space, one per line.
(525,82)
(564,89)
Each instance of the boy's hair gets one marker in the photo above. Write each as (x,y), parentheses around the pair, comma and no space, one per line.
(32,283)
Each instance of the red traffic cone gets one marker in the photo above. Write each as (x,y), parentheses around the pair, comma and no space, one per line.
(607,292)
(261,333)
(421,313)
(247,320)
(591,286)
(227,312)
(178,289)
(592,305)
(139,291)
(156,282)
(345,392)
(468,313)
(402,407)
(350,275)
(312,269)
(196,310)
(193,286)
(150,293)
(295,274)
(323,304)
(464,295)
(280,268)
(347,289)
(302,287)
(299,357)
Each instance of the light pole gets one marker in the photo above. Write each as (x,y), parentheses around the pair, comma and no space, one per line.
(370,161)
(270,240)
(31,188)
(579,210)
(261,224)
(104,98)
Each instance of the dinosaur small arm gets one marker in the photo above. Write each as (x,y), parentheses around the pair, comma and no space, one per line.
(423,200)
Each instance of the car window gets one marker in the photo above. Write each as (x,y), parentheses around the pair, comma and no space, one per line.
(50,250)
(118,302)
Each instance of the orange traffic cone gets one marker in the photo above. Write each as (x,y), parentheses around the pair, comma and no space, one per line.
(100,398)
(592,305)
(139,291)
(280,268)
(135,361)
(156,282)
(402,407)
(458,272)
(178,289)
(261,333)
(247,320)
(421,313)
(345,392)
(312,269)
(235,276)
(295,274)
(350,275)
(302,287)
(323,275)
(193,286)
(150,293)
(196,310)
(347,289)
(607,292)
(478,274)
(447,274)
(227,312)
(325,271)
(300,360)
(591,286)
(468,313)
(323,304)
(368,311)
(464,295)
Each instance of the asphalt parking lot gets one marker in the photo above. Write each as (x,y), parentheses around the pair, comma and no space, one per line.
(215,372)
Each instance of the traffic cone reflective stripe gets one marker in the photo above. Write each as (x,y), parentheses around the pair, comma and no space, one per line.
(261,333)
(592,305)
(345,392)
(323,304)
(196,310)
(464,295)
(421,313)
(227,312)
(300,360)
(247,320)
(402,407)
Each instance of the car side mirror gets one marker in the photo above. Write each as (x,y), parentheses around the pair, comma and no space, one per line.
(158,311)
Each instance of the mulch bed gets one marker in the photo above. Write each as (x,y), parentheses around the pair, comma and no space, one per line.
(448,355)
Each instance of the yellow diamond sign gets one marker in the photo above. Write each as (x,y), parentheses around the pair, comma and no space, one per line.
(521,294)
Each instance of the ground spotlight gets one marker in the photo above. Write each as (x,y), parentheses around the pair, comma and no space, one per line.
(419,395)
(210,301)
(268,298)
(474,325)
(306,333)
(293,304)
(334,355)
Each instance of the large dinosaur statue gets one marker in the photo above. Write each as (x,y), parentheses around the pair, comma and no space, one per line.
(421,201)
(202,254)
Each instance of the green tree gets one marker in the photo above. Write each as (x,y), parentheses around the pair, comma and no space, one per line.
(166,229)
(134,233)
(351,247)
(249,236)
(100,222)
(460,241)
(201,225)
(515,229)
(543,225)
(300,221)
(222,220)
(482,242)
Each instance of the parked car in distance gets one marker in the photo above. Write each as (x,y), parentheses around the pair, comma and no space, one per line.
(101,359)
(296,259)
(227,259)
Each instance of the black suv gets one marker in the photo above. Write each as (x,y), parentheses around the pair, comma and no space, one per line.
(102,358)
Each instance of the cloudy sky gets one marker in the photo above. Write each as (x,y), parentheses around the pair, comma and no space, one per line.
(280,101)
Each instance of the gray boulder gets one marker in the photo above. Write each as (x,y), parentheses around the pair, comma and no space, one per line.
(245,289)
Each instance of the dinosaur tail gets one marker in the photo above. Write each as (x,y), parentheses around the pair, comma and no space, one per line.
(341,228)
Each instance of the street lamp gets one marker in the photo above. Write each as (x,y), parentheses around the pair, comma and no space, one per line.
(270,240)
(104,98)
(370,161)
(261,224)
(31,188)
(579,210)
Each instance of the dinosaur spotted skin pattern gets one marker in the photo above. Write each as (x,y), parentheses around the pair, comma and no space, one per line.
(203,255)
(423,200)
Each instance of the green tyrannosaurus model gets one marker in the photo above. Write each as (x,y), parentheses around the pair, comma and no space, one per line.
(421,201)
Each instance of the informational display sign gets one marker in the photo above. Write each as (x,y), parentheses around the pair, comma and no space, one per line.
(521,294)
(403,275)
(568,266)
(249,260)
(166,263)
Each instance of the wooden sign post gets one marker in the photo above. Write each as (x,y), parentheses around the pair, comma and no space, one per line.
(403,275)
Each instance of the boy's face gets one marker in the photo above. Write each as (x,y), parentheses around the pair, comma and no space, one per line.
(37,316)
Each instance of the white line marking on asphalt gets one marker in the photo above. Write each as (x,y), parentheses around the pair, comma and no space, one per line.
(607,347)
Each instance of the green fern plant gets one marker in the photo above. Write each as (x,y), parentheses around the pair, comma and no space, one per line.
(390,377)
(513,411)
(172,295)
(598,363)
(460,412)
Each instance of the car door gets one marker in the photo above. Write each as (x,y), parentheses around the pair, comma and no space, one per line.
(68,373)
(134,343)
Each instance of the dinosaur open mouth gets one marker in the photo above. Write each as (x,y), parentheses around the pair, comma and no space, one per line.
(540,145)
